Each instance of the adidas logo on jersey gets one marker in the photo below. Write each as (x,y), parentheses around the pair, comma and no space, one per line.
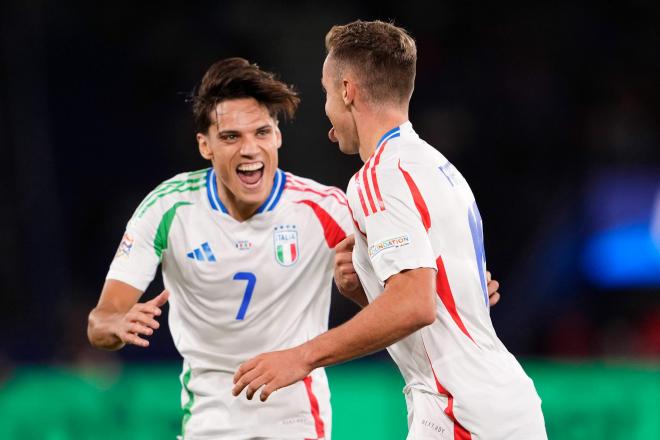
(203,254)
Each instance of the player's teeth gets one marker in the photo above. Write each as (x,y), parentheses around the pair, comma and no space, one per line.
(250,167)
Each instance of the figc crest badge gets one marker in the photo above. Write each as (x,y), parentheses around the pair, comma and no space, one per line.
(285,242)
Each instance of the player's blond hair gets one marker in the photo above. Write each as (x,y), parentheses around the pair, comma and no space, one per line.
(382,56)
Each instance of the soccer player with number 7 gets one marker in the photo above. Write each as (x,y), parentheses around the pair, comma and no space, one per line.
(417,262)
(247,253)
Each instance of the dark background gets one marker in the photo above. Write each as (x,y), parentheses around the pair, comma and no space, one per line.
(529,102)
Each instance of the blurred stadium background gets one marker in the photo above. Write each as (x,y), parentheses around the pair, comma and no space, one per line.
(550,111)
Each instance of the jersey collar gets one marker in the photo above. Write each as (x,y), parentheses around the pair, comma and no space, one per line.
(273,198)
(393,133)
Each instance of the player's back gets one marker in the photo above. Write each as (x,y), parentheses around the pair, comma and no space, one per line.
(424,215)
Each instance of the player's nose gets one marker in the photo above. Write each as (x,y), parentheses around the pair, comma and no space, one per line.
(250,147)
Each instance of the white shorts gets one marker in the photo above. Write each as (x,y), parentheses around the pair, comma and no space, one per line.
(426,417)
(299,411)
(430,418)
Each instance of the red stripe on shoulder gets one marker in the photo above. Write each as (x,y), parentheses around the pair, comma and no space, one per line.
(374,177)
(359,191)
(331,230)
(367,189)
(417,198)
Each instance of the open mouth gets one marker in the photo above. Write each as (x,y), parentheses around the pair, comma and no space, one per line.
(250,173)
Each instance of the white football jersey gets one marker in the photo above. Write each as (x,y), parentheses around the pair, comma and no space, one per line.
(239,289)
(413,209)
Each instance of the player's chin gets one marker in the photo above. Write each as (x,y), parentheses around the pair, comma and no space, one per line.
(348,147)
(252,193)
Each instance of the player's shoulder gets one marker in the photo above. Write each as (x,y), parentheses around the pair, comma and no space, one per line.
(185,188)
(298,188)
(305,182)
(407,151)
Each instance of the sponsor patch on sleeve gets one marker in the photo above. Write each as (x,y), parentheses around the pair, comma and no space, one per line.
(388,243)
(125,246)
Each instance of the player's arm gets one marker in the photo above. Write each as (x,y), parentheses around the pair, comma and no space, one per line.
(118,319)
(346,279)
(406,305)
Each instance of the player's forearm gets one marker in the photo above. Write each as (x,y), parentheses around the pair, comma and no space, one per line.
(101,329)
(403,308)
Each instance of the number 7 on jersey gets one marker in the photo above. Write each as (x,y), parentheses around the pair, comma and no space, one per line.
(249,288)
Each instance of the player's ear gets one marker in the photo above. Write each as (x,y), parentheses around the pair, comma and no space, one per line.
(278,135)
(204,146)
(348,91)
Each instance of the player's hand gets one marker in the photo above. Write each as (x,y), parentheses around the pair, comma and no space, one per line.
(493,285)
(140,321)
(271,371)
(345,276)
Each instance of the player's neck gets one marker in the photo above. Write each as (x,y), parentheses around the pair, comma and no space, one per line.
(372,125)
(236,208)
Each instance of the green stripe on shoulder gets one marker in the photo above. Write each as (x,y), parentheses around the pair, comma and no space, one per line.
(191,181)
(163,231)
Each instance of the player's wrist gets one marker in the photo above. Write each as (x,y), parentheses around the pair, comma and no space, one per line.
(307,354)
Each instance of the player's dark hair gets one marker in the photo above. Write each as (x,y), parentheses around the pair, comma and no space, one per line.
(382,55)
(236,78)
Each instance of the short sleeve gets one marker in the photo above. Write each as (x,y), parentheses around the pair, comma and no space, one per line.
(397,238)
(137,259)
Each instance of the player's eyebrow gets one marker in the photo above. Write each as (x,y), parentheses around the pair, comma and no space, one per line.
(264,127)
(226,132)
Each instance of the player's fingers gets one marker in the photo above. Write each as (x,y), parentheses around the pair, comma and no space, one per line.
(343,258)
(345,269)
(246,380)
(494,299)
(346,245)
(493,286)
(244,368)
(488,276)
(143,318)
(147,308)
(140,329)
(161,299)
(242,383)
(267,390)
(133,339)
(254,386)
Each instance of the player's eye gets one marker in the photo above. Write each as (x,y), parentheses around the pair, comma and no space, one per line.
(263,132)
(228,137)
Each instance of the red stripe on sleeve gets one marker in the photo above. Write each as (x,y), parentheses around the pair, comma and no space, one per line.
(331,230)
(314,403)
(417,198)
(444,292)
